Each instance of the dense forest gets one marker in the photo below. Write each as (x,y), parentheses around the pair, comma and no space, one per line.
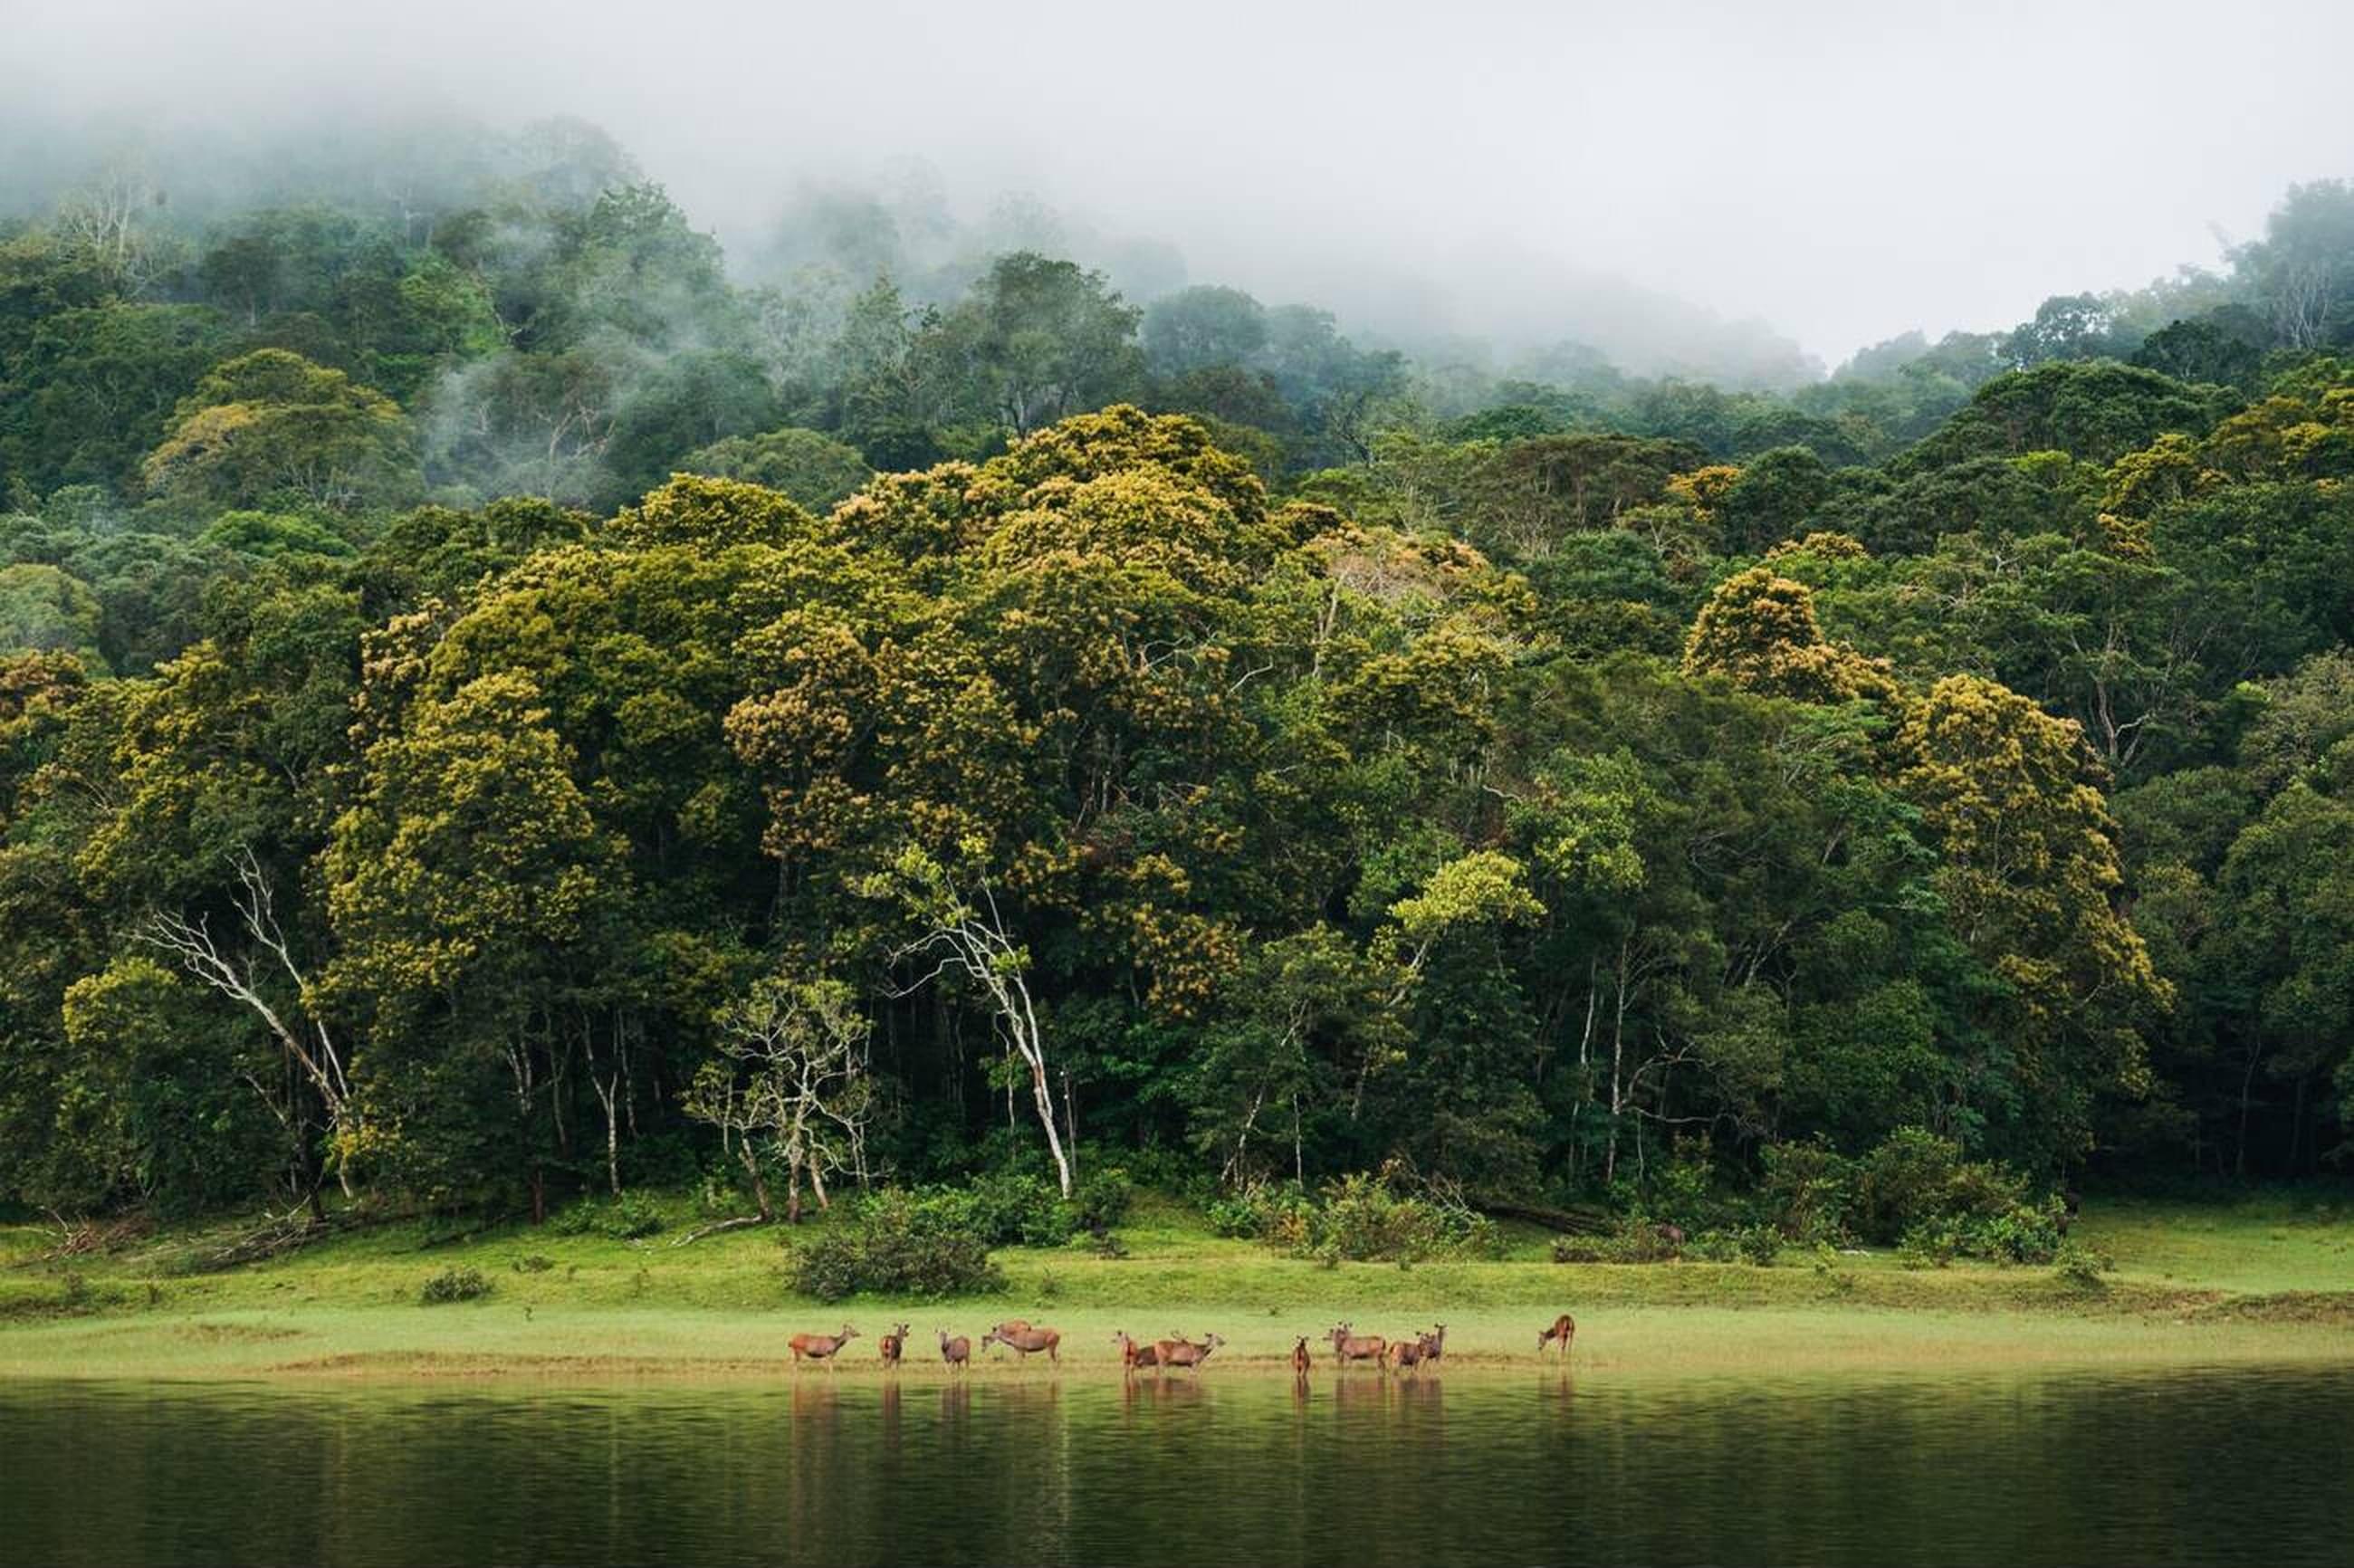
(501,700)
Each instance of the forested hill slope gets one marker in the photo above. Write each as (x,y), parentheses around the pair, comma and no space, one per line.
(481,720)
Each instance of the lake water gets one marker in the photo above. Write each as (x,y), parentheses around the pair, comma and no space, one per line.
(2253,1466)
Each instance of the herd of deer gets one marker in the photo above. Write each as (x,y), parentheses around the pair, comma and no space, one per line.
(1405,1354)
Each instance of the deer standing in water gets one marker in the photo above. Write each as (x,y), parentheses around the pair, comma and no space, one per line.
(820,1346)
(1186,1353)
(956,1352)
(1022,1338)
(1299,1357)
(1565,1329)
(892,1344)
(1407,1354)
(1434,1344)
(1348,1347)
(1133,1355)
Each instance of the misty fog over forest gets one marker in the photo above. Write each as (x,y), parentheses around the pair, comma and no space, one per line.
(1716,190)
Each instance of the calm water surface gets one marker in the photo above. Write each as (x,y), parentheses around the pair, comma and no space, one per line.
(2208,1466)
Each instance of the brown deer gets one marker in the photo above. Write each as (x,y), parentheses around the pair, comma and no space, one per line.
(1186,1353)
(1434,1344)
(1133,1355)
(892,1344)
(956,1352)
(1565,1329)
(1348,1347)
(820,1346)
(1407,1354)
(1024,1339)
(1299,1357)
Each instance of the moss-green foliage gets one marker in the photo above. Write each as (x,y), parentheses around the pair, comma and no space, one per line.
(1354,1219)
(897,1244)
(453,1285)
(1521,785)
(629,1217)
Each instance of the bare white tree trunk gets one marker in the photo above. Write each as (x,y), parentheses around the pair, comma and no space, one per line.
(974,942)
(311,1047)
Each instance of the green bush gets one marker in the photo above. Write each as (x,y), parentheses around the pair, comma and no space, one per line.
(455,1285)
(895,1243)
(1760,1246)
(1356,1219)
(2021,1234)
(1360,1219)
(1914,1176)
(1804,1189)
(1929,1243)
(1100,1199)
(626,1218)
(1262,1212)
(1011,1208)
(2081,1267)
(1640,1239)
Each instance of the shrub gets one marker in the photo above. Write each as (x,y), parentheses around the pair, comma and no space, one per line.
(2081,1267)
(1011,1208)
(1262,1212)
(455,1285)
(2021,1234)
(626,1218)
(1639,1239)
(1805,1188)
(1356,1219)
(1360,1219)
(1100,1199)
(897,1244)
(1915,1176)
(536,1263)
(1760,1246)
(1929,1243)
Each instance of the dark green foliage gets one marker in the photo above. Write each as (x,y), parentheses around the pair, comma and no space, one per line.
(629,1217)
(895,1243)
(1849,812)
(455,1285)
(1354,1219)
(2098,411)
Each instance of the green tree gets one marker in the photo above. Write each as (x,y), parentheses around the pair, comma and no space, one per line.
(272,425)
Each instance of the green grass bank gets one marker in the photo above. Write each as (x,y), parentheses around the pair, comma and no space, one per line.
(2264,1279)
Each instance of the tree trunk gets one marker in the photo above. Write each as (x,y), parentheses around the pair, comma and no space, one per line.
(758,1179)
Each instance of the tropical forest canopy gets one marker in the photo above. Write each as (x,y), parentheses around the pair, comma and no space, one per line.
(498,701)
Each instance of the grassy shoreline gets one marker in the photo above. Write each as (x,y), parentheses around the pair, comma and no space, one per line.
(2259,1280)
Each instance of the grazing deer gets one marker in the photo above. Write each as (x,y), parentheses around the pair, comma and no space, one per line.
(1024,1339)
(1348,1347)
(1133,1355)
(1434,1344)
(956,1352)
(1186,1353)
(1565,1329)
(892,1344)
(820,1346)
(1299,1357)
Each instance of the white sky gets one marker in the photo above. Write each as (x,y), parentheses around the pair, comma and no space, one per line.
(1842,169)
